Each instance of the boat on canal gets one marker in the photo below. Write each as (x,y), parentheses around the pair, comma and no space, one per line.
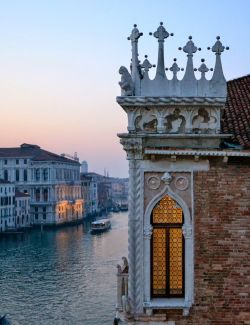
(100,226)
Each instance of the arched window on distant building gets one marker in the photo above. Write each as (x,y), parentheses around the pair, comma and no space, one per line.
(5,176)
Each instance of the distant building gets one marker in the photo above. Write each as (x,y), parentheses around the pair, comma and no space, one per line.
(7,205)
(22,210)
(51,180)
(119,191)
(101,193)
(90,193)
(84,167)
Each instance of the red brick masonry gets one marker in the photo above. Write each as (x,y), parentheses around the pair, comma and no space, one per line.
(222,247)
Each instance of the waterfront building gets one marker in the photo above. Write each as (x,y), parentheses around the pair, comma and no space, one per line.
(22,210)
(119,191)
(101,193)
(90,194)
(7,205)
(188,146)
(51,180)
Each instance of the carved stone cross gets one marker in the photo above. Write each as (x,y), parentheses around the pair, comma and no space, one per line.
(161,33)
(218,48)
(146,65)
(135,34)
(203,68)
(190,48)
(175,68)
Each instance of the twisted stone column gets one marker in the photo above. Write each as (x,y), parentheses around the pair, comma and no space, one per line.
(133,148)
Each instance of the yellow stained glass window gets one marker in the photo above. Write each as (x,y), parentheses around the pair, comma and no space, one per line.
(167,254)
(159,261)
(175,261)
(166,211)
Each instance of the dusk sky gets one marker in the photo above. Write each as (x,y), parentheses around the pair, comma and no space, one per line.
(59,63)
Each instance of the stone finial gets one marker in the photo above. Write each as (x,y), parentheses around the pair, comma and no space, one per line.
(203,69)
(190,48)
(189,81)
(218,48)
(146,65)
(135,65)
(161,33)
(135,34)
(175,69)
(218,78)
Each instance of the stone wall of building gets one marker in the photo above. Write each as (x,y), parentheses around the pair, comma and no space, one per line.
(222,241)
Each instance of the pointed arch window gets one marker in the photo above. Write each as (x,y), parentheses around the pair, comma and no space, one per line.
(167,250)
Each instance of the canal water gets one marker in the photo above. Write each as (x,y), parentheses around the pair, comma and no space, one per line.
(64,276)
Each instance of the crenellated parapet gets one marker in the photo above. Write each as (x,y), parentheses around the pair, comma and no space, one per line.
(161,86)
(187,106)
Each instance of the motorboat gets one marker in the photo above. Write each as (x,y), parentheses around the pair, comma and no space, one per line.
(100,225)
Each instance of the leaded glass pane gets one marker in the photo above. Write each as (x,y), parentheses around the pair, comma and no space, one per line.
(159,261)
(175,261)
(166,211)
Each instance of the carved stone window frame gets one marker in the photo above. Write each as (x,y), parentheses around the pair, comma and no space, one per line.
(167,303)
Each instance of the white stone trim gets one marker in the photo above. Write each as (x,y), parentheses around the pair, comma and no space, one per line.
(139,100)
(177,166)
(218,153)
(187,301)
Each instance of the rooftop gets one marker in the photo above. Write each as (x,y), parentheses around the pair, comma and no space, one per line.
(33,152)
(236,119)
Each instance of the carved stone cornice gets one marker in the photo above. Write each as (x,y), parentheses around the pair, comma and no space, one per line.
(133,147)
(149,101)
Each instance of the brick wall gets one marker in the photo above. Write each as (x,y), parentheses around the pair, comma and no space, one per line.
(222,246)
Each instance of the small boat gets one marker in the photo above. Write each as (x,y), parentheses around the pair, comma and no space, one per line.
(100,225)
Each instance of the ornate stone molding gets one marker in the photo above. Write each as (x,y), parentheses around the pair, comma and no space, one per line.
(149,101)
(166,178)
(181,183)
(153,182)
(187,231)
(133,147)
(148,230)
(174,119)
(218,153)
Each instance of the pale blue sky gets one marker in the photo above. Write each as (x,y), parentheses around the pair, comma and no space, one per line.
(59,64)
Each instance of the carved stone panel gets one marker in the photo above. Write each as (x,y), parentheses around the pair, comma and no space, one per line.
(203,122)
(179,183)
(175,122)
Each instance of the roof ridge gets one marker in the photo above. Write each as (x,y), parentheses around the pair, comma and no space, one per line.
(234,79)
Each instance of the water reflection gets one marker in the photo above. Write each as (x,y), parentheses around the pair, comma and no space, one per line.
(62,276)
